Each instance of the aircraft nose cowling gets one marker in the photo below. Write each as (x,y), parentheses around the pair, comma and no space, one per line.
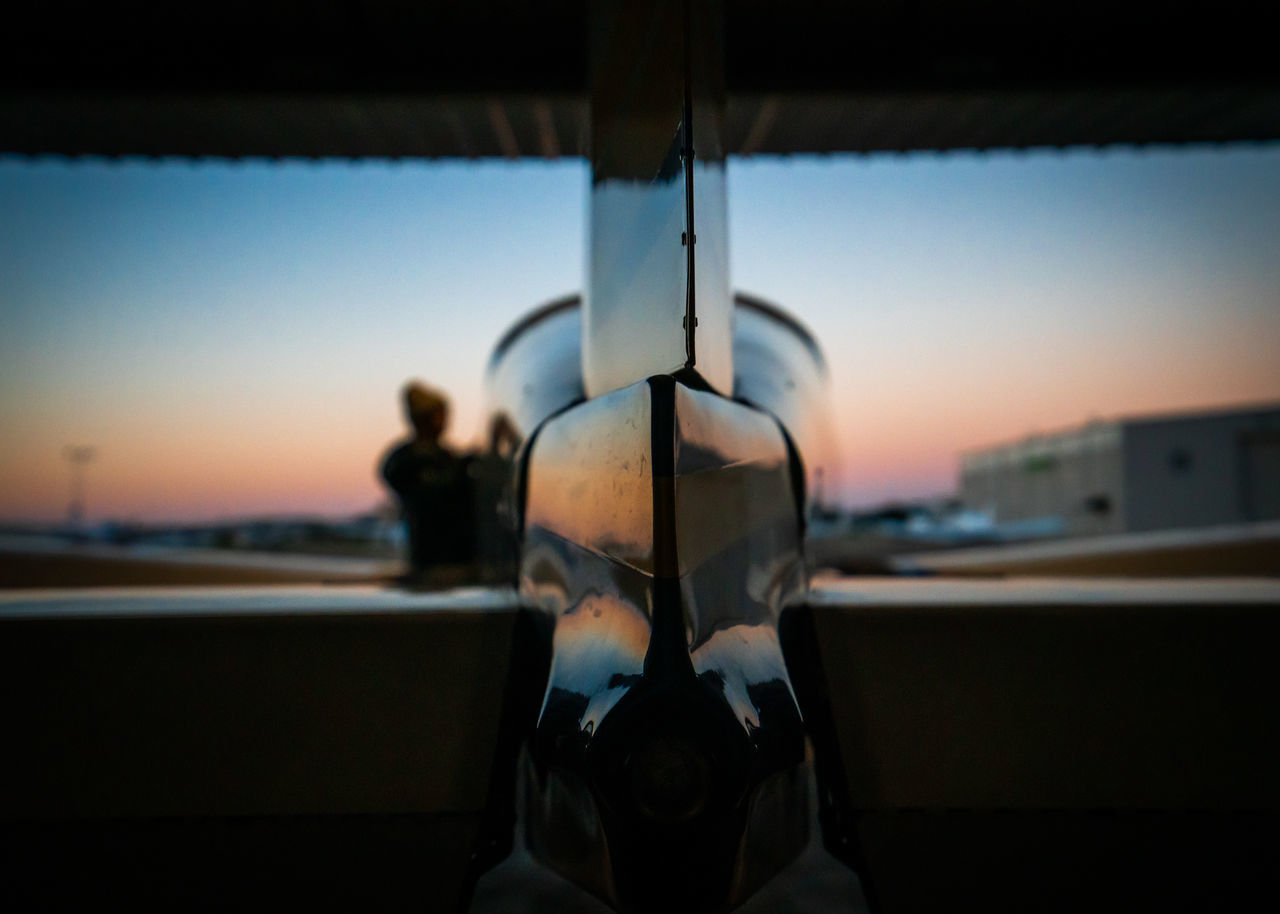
(670,778)
(662,532)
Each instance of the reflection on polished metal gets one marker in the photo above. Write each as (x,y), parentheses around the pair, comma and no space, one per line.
(664,537)
(661,523)
(652,62)
(780,368)
(536,371)
(536,367)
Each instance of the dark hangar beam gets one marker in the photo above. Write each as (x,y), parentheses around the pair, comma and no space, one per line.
(500,78)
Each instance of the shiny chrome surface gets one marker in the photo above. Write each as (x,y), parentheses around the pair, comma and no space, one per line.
(779,367)
(656,124)
(663,536)
(536,367)
(536,371)
(661,523)
(715,311)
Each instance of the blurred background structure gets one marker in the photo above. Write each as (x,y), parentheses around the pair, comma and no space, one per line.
(1132,475)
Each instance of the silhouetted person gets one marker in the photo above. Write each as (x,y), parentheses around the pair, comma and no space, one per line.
(433,485)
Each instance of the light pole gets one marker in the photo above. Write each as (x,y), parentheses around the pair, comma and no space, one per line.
(78,456)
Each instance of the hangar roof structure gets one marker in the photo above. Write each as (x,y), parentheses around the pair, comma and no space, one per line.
(504,78)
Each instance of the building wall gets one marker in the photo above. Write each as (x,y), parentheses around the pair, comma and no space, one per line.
(1262,475)
(1135,475)
(1074,476)
(1199,471)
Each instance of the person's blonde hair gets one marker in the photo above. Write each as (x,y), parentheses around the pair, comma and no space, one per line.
(425,406)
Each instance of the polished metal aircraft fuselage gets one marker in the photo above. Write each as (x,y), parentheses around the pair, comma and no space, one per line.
(661,520)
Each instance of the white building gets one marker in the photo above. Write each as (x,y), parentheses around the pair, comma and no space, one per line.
(1145,473)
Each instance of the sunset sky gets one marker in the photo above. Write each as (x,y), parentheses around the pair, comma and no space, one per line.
(232,337)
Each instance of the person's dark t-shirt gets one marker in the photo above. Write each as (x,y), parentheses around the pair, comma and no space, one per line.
(435,495)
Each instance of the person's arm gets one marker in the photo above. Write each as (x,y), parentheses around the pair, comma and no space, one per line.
(393,469)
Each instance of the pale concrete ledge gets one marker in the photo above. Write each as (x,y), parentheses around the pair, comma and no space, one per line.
(1033,593)
(51,561)
(1234,549)
(238,600)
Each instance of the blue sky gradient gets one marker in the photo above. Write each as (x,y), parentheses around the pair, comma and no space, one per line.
(232,336)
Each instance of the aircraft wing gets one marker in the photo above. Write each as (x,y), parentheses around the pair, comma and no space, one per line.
(253,747)
(1059,745)
(980,744)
